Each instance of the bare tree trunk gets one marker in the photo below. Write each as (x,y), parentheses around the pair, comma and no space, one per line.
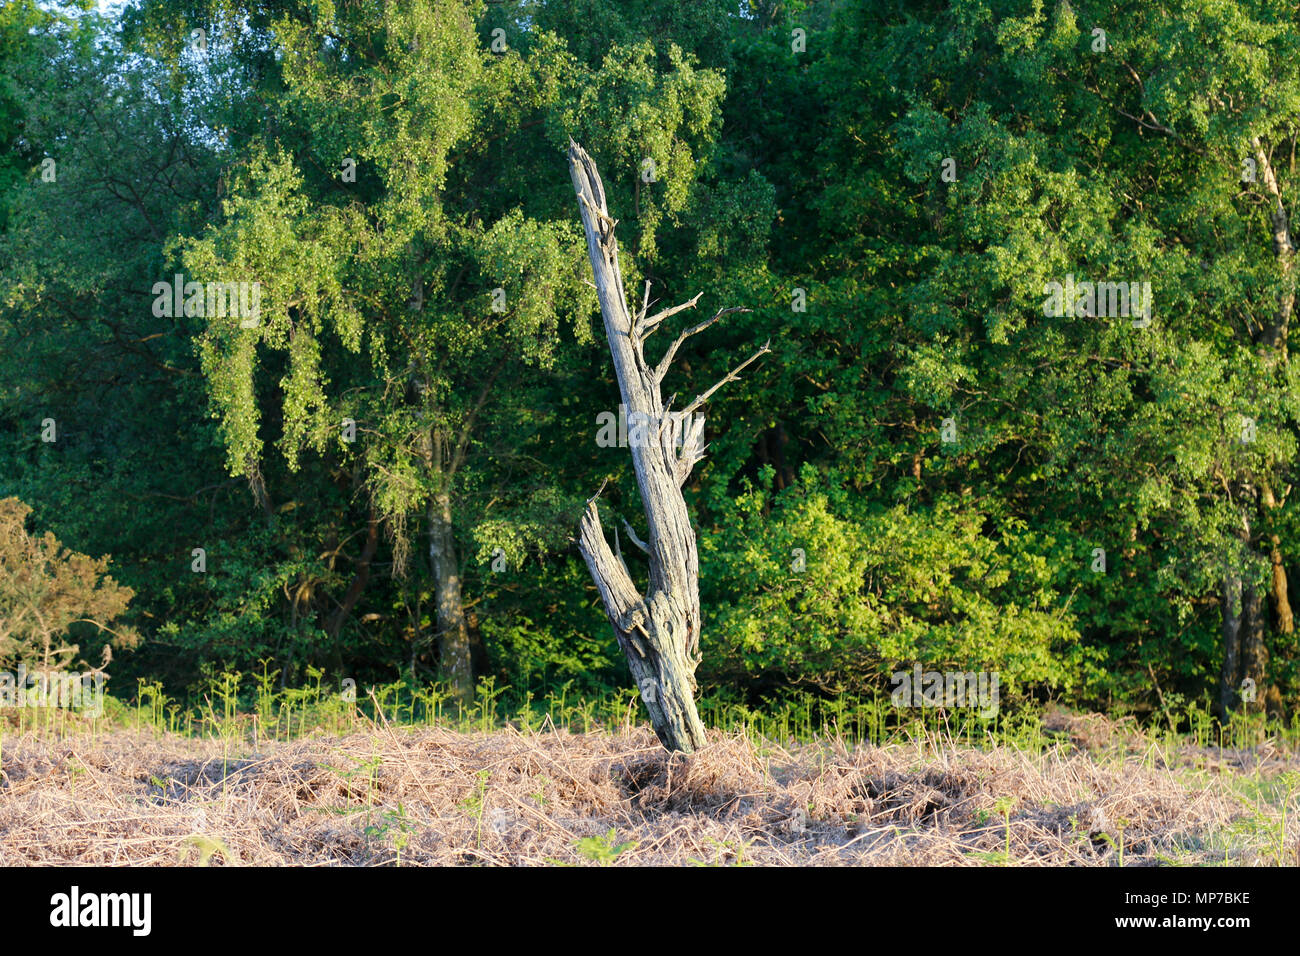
(660,631)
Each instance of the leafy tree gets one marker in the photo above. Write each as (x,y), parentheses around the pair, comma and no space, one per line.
(1099,509)
(408,302)
(47,590)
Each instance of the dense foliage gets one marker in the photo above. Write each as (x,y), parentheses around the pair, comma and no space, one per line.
(379,470)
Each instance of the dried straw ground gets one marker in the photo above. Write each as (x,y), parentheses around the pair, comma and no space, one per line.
(509,798)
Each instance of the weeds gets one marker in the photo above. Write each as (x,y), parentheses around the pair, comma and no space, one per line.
(603,850)
(474,804)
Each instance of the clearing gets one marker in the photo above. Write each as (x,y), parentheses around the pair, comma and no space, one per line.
(433,796)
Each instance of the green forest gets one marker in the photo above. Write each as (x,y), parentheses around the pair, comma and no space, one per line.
(303,373)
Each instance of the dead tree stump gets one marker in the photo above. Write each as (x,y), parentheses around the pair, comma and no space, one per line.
(659,632)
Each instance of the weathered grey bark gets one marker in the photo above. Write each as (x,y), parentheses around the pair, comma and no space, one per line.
(660,631)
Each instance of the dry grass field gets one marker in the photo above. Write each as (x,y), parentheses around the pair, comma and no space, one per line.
(431,796)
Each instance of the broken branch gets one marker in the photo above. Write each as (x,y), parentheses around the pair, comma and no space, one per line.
(632,534)
(662,368)
(732,376)
(648,326)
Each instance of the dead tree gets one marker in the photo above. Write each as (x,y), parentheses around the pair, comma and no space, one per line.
(659,632)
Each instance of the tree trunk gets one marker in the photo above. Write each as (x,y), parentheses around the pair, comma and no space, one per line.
(1245,656)
(660,631)
(1242,679)
(1273,336)
(1254,650)
(1281,599)
(1282,613)
(454,666)
(1229,688)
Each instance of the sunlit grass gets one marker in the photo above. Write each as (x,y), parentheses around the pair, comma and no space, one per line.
(246,709)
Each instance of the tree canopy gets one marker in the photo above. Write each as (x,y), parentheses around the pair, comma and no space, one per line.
(303,291)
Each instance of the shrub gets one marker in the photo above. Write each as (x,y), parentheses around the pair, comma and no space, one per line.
(47,591)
